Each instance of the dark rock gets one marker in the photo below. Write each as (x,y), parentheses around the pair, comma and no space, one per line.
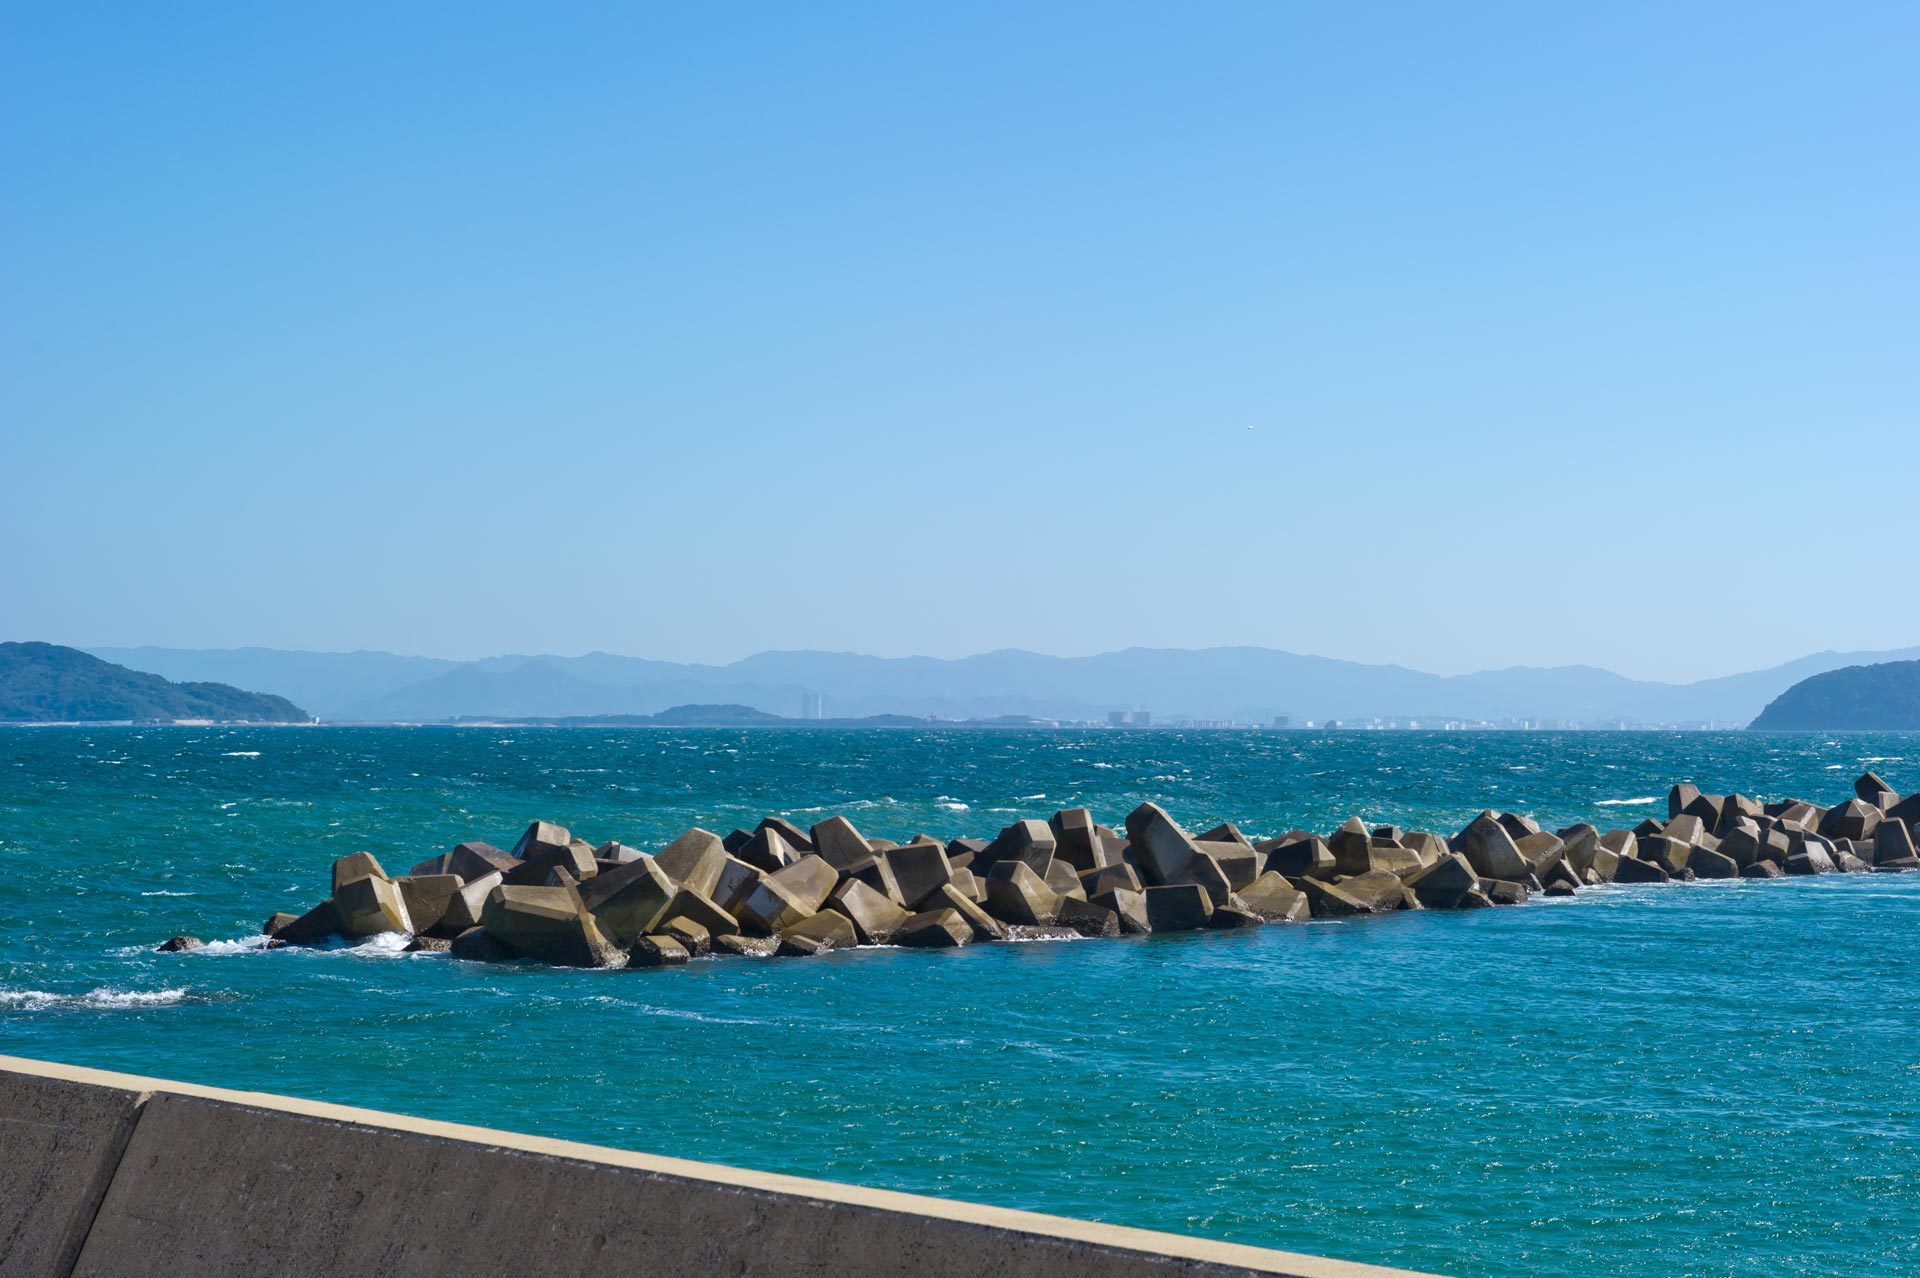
(1382,890)
(626,903)
(429,945)
(1183,907)
(319,924)
(1237,860)
(475,860)
(1088,919)
(828,930)
(1206,871)
(769,850)
(1129,906)
(427,898)
(695,938)
(278,923)
(1225,832)
(1329,901)
(542,838)
(180,944)
(1503,892)
(950,897)
(657,951)
(838,843)
(1762,870)
(1892,841)
(369,906)
(1015,894)
(1634,870)
(1274,899)
(1518,827)
(550,924)
(613,853)
(1851,820)
(788,896)
(1490,850)
(1442,884)
(1230,916)
(694,860)
(1679,797)
(1298,856)
(360,865)
(475,945)
(1560,887)
(1352,848)
(1064,882)
(1076,841)
(877,873)
(918,872)
(1869,787)
(875,917)
(935,929)
(690,906)
(1162,851)
(1029,842)
(735,839)
(737,878)
(1109,877)
(746,946)
(792,835)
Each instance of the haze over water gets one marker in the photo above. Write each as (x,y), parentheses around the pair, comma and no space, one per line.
(1708,1079)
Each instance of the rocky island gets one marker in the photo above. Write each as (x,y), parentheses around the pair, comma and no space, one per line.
(780,890)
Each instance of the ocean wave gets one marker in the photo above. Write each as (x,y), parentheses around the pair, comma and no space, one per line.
(1626,803)
(164,892)
(948,802)
(104,998)
(241,754)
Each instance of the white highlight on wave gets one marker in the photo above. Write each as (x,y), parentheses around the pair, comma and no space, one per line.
(1625,803)
(241,754)
(103,998)
(948,802)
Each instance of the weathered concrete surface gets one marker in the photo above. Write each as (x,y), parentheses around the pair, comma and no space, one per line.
(224,1184)
(60,1140)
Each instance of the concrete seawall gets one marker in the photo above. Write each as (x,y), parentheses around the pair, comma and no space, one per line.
(107,1175)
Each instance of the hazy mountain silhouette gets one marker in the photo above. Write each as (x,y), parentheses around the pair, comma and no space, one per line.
(1249,684)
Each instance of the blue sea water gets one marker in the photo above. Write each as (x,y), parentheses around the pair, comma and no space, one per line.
(1714,1078)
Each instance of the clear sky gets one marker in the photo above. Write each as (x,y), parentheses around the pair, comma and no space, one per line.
(1458,335)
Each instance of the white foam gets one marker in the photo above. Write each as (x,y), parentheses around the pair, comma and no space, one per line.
(950,803)
(1625,803)
(103,998)
(164,892)
(241,754)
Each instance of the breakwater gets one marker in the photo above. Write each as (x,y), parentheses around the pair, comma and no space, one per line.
(105,1174)
(780,890)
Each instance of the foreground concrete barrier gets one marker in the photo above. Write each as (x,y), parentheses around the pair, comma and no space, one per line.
(113,1175)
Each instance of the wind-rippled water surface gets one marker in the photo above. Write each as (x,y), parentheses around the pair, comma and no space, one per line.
(1702,1079)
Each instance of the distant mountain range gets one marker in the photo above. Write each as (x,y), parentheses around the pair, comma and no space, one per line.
(46,683)
(1244,684)
(1884,697)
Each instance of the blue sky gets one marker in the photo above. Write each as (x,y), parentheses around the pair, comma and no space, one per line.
(1567,333)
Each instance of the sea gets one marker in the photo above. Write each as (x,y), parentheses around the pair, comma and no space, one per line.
(1705,1078)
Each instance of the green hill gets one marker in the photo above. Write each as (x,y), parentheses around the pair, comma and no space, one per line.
(46,683)
(1860,698)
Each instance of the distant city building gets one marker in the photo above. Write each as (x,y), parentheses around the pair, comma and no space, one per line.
(813,706)
(1130,718)
(1282,721)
